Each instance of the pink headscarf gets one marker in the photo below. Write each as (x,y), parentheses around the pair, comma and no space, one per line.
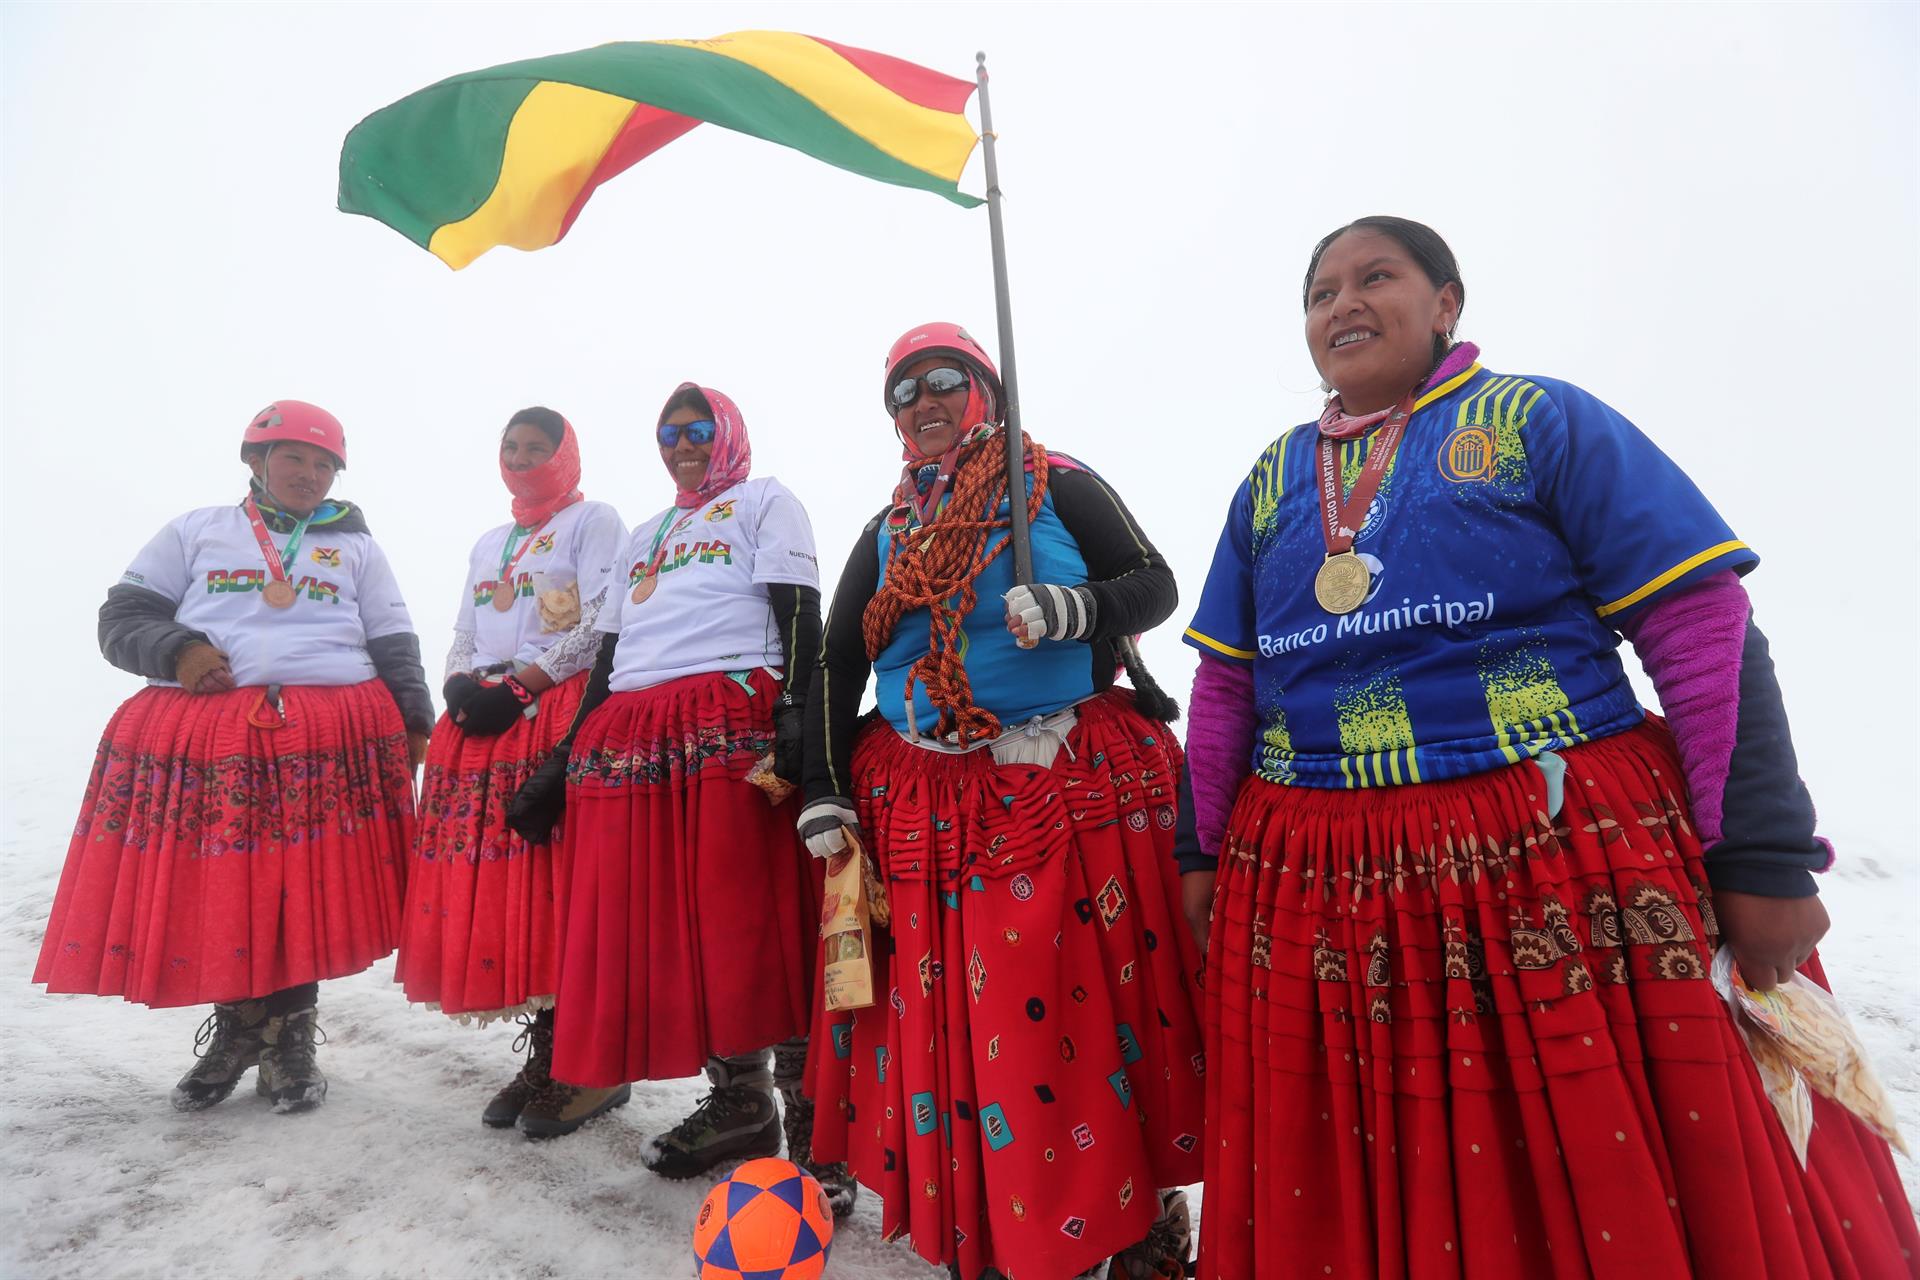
(732,457)
(545,489)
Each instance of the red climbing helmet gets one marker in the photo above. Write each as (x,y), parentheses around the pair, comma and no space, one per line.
(299,422)
(942,340)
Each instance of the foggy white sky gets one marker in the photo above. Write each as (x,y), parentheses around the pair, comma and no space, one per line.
(1704,214)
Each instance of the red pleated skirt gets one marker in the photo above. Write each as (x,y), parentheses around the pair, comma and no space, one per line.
(693,914)
(1452,1037)
(481,935)
(219,860)
(1032,1073)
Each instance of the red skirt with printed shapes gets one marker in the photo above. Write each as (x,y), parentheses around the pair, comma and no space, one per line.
(1451,1036)
(1032,1074)
(481,932)
(693,910)
(225,851)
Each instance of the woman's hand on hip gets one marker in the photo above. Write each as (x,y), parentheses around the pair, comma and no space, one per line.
(1770,937)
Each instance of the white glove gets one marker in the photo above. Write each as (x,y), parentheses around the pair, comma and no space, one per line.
(822,825)
(1044,611)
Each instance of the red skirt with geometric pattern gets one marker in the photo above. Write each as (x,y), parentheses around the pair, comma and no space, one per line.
(1453,1036)
(1031,1072)
(693,909)
(226,850)
(483,906)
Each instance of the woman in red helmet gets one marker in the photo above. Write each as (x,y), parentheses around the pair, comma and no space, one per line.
(1031,1080)
(482,918)
(244,833)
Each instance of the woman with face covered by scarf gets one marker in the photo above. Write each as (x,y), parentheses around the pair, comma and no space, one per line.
(692,910)
(245,830)
(483,903)
(1029,1079)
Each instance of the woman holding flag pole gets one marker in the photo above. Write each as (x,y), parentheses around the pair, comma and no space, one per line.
(483,904)
(1459,1015)
(244,834)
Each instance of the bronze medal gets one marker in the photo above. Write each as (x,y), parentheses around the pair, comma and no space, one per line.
(644,588)
(503,600)
(279,594)
(1341,583)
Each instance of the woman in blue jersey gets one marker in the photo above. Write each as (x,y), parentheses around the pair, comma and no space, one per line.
(1030,1078)
(1458,1007)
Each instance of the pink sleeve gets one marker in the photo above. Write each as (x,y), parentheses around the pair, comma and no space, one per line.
(1220,725)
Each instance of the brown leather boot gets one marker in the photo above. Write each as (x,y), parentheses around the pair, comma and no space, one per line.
(536,1041)
(560,1108)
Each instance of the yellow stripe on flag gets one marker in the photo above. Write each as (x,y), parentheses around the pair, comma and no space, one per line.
(936,142)
(557,138)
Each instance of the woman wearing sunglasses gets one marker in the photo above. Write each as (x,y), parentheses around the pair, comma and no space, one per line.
(1030,1080)
(482,902)
(1459,1015)
(244,834)
(693,910)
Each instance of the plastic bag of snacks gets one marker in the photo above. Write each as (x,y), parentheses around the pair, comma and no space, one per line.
(1801,1040)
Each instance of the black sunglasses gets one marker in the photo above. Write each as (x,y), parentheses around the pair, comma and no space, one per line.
(939,381)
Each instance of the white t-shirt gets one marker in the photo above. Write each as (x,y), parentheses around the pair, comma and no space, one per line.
(569,561)
(701,576)
(209,564)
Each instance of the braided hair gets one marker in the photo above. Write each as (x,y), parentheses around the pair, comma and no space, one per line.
(934,566)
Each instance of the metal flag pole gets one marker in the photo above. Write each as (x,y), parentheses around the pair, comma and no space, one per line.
(1016,448)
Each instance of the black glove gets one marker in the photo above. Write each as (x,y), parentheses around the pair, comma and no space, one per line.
(490,712)
(789,737)
(537,805)
(458,689)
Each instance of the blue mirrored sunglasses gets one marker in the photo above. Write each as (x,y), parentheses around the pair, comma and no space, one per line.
(699,431)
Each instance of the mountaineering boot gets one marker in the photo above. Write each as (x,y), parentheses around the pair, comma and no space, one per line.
(226,1044)
(536,1041)
(735,1121)
(559,1108)
(1168,1246)
(796,1120)
(288,1073)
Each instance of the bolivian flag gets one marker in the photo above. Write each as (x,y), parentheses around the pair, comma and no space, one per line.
(510,155)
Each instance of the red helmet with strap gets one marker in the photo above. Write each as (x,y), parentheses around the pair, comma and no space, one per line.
(296,421)
(942,340)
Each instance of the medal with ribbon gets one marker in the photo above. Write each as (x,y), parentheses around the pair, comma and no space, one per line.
(504,595)
(1343,579)
(650,572)
(278,593)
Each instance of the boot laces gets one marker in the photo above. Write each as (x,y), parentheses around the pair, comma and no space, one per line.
(300,1035)
(721,1104)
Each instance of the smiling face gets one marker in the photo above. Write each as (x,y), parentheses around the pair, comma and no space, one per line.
(686,461)
(524,447)
(1372,316)
(296,476)
(931,424)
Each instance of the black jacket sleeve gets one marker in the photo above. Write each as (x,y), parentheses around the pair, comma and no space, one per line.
(840,679)
(796,612)
(1132,586)
(396,659)
(1767,845)
(138,633)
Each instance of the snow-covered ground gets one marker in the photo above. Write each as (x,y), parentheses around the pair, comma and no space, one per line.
(395,1176)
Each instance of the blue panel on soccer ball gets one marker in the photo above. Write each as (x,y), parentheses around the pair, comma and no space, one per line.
(993,1123)
(792,1190)
(739,1196)
(806,1244)
(720,1252)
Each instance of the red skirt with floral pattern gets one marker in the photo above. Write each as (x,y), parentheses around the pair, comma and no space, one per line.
(483,906)
(693,909)
(226,851)
(1030,1075)
(1453,1036)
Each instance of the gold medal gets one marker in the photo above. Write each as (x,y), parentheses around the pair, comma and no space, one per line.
(1341,584)
(278,594)
(503,600)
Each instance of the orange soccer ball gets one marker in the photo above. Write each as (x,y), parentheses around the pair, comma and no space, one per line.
(769,1220)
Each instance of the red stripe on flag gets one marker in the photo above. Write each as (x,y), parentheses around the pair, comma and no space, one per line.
(646,131)
(910,80)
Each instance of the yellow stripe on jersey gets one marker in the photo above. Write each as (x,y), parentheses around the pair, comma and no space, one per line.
(1680,570)
(1245,655)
